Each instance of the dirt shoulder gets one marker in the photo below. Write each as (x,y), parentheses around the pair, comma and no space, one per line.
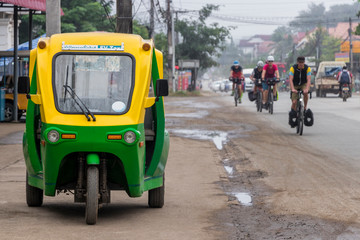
(298,192)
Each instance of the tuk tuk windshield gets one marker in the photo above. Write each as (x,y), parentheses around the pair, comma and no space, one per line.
(103,83)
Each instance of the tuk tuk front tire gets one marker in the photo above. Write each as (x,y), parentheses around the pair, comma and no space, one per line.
(34,196)
(92,195)
(156,196)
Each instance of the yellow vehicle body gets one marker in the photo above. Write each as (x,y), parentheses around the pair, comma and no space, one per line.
(22,100)
(44,94)
(94,122)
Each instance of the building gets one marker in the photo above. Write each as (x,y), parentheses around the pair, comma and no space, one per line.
(256,46)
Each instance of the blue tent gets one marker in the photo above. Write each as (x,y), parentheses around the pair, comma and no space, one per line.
(21,47)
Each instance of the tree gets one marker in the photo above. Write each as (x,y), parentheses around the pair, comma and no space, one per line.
(283,42)
(201,41)
(320,41)
(79,16)
(309,19)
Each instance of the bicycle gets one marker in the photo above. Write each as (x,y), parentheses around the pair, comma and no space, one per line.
(237,82)
(300,112)
(271,82)
(258,102)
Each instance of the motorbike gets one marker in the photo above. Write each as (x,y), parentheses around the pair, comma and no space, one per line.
(345,92)
(95,120)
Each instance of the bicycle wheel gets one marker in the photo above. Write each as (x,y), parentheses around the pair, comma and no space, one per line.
(301,120)
(260,102)
(236,97)
(271,101)
(298,117)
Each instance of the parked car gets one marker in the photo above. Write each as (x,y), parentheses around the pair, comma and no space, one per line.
(215,86)
(249,84)
(225,85)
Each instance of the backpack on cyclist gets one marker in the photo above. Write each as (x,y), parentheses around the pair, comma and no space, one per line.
(252,96)
(308,118)
(344,77)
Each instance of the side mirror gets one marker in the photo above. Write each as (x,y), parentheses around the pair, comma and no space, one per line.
(24,84)
(162,88)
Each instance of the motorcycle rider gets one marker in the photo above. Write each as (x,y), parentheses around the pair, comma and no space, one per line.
(300,79)
(344,77)
(256,74)
(236,72)
(270,70)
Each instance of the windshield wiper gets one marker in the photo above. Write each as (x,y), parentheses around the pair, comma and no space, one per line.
(66,82)
(87,112)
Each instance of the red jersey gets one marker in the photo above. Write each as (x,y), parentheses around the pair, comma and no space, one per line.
(270,72)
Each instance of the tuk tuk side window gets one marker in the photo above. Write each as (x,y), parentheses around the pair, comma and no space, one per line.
(103,83)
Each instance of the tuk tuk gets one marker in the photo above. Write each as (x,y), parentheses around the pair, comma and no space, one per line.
(8,82)
(95,120)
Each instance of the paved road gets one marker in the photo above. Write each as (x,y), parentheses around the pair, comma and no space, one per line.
(336,128)
(231,174)
(192,200)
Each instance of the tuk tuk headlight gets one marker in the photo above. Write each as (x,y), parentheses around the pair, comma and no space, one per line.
(53,136)
(129,137)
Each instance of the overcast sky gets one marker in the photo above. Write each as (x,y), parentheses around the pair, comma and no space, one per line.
(269,11)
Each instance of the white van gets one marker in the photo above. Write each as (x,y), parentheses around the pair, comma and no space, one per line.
(249,84)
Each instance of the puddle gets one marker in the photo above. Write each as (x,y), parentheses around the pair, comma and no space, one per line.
(244,198)
(229,170)
(198,114)
(219,138)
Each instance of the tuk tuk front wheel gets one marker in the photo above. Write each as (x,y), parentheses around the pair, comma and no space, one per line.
(34,196)
(92,195)
(156,196)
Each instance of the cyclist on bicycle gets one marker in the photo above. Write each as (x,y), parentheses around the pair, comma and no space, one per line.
(270,70)
(300,79)
(256,74)
(236,73)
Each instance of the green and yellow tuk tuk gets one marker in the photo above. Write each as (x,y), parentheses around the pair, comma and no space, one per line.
(94,122)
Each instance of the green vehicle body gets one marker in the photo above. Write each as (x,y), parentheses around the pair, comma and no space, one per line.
(133,167)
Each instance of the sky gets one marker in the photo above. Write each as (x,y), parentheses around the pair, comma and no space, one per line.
(239,13)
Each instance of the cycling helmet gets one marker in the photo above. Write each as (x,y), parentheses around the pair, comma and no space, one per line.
(260,64)
(270,58)
(236,63)
(344,67)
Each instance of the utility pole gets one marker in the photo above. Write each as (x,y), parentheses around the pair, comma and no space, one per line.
(173,54)
(351,45)
(53,23)
(152,25)
(124,16)
(16,43)
(170,42)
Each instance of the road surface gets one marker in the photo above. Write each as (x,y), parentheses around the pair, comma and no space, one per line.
(232,173)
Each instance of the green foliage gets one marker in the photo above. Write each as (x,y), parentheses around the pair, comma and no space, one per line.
(201,41)
(79,16)
(140,29)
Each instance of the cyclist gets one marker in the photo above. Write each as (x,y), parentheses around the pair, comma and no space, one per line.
(300,79)
(256,74)
(270,70)
(236,72)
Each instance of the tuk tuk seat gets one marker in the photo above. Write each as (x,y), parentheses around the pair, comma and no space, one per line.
(149,135)
(149,125)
